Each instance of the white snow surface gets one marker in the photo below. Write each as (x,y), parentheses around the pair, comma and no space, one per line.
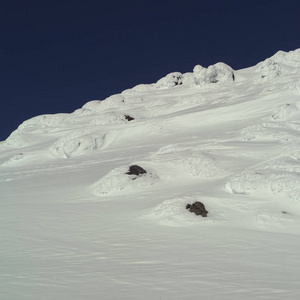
(75,226)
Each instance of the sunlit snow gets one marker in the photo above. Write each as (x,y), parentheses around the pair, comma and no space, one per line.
(75,226)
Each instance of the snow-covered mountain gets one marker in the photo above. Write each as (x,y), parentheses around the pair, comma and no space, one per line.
(74,225)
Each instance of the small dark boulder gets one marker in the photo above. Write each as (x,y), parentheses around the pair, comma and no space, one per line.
(198,208)
(136,170)
(128,118)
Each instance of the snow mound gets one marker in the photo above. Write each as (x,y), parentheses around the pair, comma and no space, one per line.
(96,106)
(218,72)
(280,63)
(278,176)
(268,69)
(78,143)
(291,58)
(171,80)
(172,212)
(43,121)
(117,182)
(173,161)
(26,133)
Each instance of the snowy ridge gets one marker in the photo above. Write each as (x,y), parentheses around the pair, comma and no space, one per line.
(228,138)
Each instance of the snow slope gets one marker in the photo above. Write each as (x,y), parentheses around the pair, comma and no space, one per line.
(75,226)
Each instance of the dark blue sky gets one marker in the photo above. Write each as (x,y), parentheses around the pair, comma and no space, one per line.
(58,55)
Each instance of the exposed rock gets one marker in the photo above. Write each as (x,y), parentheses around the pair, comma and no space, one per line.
(198,208)
(136,170)
(128,118)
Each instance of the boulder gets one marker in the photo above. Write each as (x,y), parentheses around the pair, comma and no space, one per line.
(128,118)
(136,170)
(198,208)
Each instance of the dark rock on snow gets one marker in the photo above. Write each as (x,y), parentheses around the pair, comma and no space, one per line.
(198,208)
(128,118)
(136,170)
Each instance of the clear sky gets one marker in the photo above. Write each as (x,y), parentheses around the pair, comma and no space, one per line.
(58,55)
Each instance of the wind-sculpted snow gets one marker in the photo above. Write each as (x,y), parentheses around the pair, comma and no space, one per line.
(280,63)
(170,80)
(97,106)
(117,182)
(291,58)
(283,111)
(27,132)
(44,121)
(109,118)
(76,225)
(218,72)
(79,143)
(295,87)
(16,140)
(266,131)
(279,176)
(173,162)
(15,160)
(268,69)
(171,213)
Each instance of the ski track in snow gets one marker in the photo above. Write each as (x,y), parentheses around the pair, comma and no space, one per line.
(75,226)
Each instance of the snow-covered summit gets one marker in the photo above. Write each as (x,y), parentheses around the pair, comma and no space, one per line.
(79,226)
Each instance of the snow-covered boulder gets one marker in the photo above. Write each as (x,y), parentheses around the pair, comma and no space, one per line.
(171,80)
(218,72)
(268,69)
